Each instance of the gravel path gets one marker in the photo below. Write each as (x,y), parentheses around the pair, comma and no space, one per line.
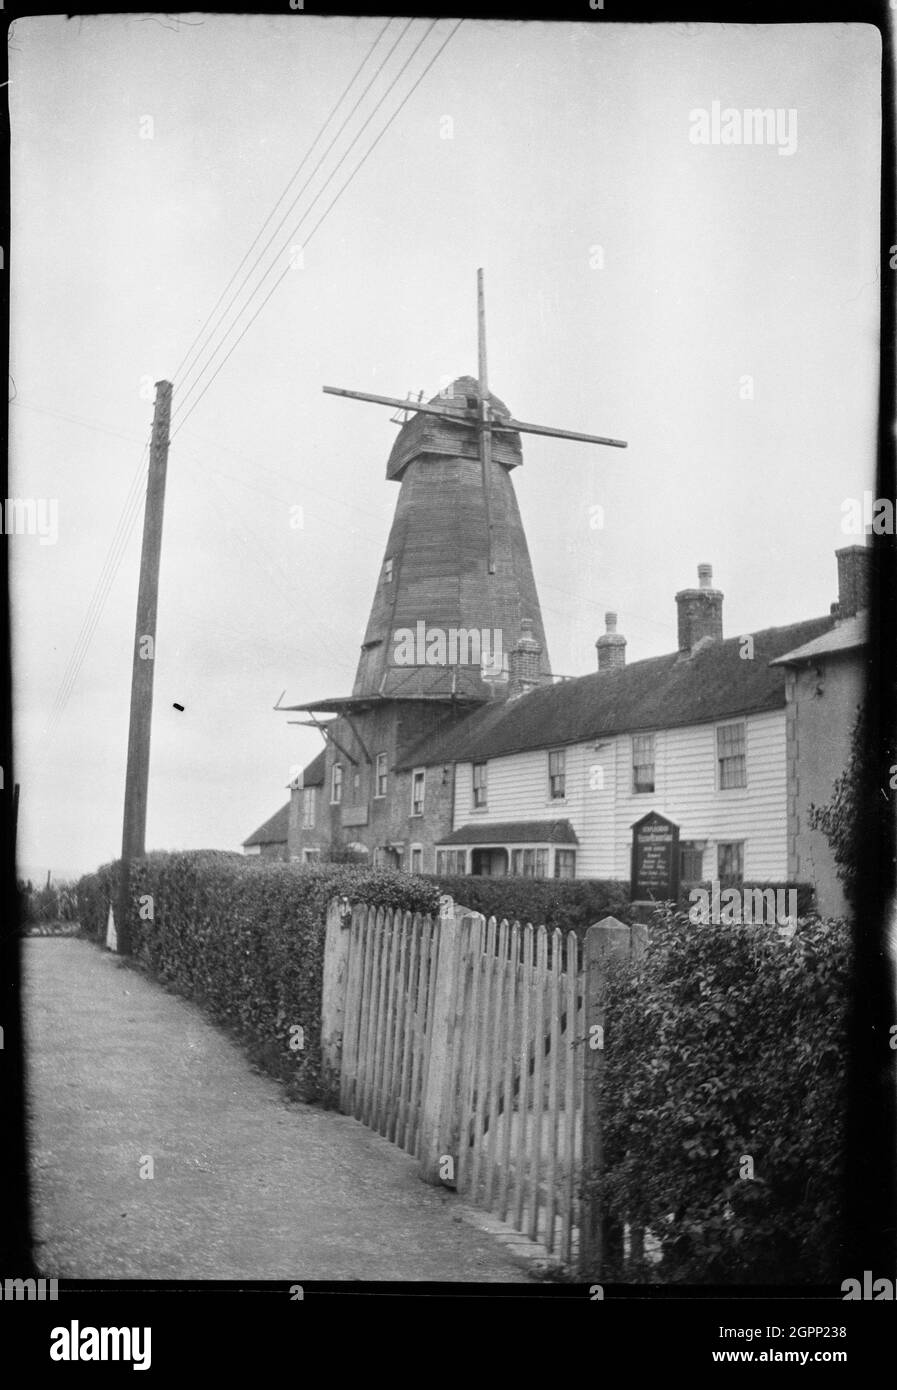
(245,1184)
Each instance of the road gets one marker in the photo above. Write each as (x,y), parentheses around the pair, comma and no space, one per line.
(244,1184)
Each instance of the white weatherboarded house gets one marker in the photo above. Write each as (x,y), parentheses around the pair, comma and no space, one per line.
(550,782)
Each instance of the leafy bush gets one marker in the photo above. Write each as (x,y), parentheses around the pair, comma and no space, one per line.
(572,904)
(725,1044)
(848,821)
(56,902)
(94,893)
(244,937)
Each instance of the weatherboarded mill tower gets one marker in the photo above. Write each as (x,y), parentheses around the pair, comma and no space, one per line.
(454,626)
(436,567)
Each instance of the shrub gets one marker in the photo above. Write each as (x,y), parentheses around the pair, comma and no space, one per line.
(55,902)
(572,904)
(723,1044)
(806,894)
(849,820)
(94,892)
(244,937)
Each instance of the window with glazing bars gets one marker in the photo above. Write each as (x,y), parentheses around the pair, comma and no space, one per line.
(565,863)
(557,764)
(643,762)
(730,752)
(730,863)
(529,863)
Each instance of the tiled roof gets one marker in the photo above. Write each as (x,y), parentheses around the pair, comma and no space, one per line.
(663,692)
(274,831)
(313,775)
(520,832)
(849,634)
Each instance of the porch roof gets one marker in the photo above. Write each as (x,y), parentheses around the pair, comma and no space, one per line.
(522,832)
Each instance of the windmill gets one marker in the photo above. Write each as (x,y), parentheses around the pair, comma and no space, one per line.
(478,411)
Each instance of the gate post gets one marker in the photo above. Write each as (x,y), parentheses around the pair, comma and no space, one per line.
(336,959)
(601,1231)
(436,1122)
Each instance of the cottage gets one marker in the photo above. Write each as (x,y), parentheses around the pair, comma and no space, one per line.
(824,683)
(730,738)
(552,781)
(440,763)
(271,839)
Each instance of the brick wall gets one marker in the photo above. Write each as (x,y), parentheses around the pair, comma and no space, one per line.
(364,818)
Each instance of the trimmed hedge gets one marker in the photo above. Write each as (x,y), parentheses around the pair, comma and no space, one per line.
(244,937)
(572,904)
(806,893)
(94,893)
(725,1044)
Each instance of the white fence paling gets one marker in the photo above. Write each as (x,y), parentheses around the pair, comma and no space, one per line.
(502,1093)
(388,993)
(518,1102)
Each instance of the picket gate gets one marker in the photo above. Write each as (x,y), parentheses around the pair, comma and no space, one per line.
(391,975)
(509,1053)
(519,1071)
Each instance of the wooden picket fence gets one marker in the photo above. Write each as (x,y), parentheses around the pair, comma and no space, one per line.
(519,1078)
(466,1036)
(388,1001)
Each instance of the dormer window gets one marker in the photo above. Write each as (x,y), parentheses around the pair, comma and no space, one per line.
(387,571)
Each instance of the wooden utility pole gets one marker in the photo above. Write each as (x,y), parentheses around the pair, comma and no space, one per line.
(133,839)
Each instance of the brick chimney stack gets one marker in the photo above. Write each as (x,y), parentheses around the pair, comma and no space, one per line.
(524,662)
(611,646)
(700,613)
(854,579)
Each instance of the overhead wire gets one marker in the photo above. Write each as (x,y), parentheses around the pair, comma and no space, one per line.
(321,219)
(75,420)
(283,477)
(111,565)
(289,184)
(296,230)
(95,608)
(273,574)
(131,507)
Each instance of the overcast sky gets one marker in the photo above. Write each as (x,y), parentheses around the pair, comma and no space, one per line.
(524,149)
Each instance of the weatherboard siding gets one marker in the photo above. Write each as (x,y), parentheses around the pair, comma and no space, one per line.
(686,791)
(602,808)
(517,790)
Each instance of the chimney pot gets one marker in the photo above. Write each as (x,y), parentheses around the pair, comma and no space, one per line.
(524,671)
(611,647)
(854,578)
(700,613)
